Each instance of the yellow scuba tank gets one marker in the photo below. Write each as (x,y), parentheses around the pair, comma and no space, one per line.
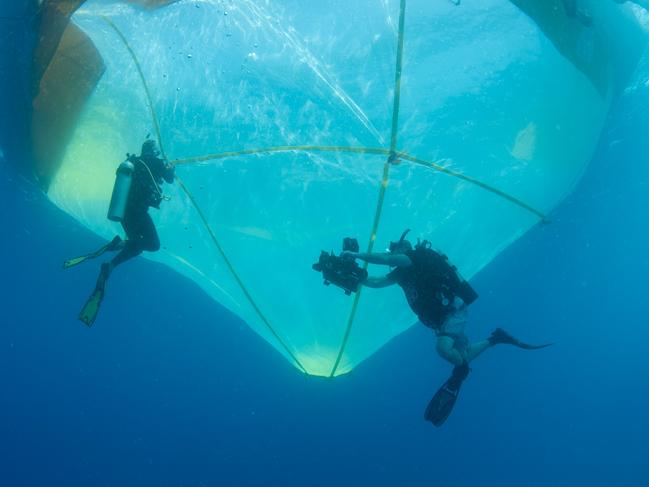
(121,191)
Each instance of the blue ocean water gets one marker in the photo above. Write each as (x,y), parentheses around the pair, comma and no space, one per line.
(170,389)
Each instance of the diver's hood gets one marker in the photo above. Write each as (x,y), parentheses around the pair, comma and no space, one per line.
(394,246)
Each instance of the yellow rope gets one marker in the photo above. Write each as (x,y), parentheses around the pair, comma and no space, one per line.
(392,154)
(384,181)
(154,117)
(367,150)
(282,148)
(197,208)
(477,182)
(236,276)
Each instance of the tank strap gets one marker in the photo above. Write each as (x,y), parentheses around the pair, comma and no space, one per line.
(155,183)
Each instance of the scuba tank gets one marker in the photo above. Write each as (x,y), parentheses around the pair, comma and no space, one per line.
(121,190)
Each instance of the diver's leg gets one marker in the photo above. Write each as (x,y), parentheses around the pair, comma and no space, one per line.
(131,249)
(497,337)
(142,235)
(452,342)
(116,244)
(150,239)
(446,349)
(475,349)
(133,224)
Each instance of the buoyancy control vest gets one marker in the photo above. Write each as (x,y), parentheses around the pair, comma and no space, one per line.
(149,173)
(431,285)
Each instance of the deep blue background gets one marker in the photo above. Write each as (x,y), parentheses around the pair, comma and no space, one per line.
(170,389)
(17,22)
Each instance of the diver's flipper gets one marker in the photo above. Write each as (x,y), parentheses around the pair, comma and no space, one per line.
(527,346)
(440,406)
(91,308)
(499,336)
(76,261)
(112,245)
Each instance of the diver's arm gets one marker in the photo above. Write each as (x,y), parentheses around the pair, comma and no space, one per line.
(378,282)
(383,258)
(160,169)
(169,172)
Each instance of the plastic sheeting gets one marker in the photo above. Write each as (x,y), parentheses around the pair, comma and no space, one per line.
(509,122)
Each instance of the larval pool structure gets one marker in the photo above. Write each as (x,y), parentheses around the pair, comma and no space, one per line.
(293,127)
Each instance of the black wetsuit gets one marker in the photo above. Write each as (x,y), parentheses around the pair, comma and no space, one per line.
(430,285)
(148,175)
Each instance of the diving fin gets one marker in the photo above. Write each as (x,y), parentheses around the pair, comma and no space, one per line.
(499,336)
(441,405)
(110,246)
(90,310)
(527,346)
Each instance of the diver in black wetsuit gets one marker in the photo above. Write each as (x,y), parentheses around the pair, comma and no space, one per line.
(149,172)
(439,297)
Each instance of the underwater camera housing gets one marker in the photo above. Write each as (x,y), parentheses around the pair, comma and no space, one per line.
(343,272)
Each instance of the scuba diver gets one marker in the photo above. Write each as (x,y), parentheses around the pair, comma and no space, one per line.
(137,188)
(436,293)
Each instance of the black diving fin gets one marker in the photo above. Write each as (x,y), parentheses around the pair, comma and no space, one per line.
(110,246)
(499,336)
(441,405)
